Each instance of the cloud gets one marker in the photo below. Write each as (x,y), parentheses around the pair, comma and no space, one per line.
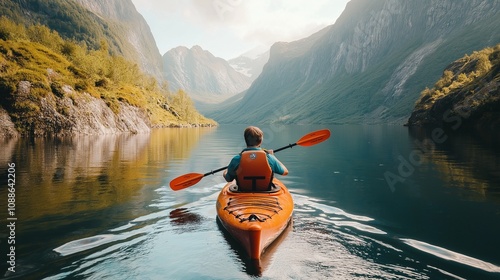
(196,11)
(221,11)
(251,23)
(266,22)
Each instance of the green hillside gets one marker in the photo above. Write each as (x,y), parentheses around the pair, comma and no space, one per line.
(69,20)
(467,94)
(124,30)
(55,69)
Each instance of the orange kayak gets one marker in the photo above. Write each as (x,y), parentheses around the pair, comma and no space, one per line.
(255,219)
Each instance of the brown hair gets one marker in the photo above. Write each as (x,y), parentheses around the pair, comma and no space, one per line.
(253,136)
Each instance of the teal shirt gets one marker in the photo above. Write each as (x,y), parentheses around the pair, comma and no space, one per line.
(276,166)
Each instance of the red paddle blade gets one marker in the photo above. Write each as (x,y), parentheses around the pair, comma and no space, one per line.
(185,181)
(314,138)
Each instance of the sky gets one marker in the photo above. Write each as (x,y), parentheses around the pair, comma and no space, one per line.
(229,28)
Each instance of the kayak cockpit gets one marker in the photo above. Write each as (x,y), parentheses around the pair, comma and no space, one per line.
(272,189)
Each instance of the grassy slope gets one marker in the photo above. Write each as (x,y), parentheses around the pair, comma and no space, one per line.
(468,90)
(48,62)
(68,19)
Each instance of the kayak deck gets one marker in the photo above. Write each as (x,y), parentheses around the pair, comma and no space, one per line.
(255,219)
(250,208)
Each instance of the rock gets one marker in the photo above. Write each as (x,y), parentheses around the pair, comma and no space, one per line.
(7,127)
(73,113)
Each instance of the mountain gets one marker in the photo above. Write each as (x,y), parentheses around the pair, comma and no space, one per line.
(467,95)
(82,79)
(205,77)
(115,22)
(370,66)
(133,29)
(250,63)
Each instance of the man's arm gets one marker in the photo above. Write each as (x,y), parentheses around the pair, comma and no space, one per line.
(230,173)
(276,165)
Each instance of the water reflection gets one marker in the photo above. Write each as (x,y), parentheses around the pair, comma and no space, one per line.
(68,175)
(184,219)
(250,266)
(8,148)
(100,207)
(71,191)
(463,159)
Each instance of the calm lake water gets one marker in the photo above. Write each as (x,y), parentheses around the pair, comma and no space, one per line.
(377,202)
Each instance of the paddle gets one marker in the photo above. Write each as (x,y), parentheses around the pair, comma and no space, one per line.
(310,139)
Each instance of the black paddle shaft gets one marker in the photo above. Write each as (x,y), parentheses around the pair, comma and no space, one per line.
(214,171)
(286,147)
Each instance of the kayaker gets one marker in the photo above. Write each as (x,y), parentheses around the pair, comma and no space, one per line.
(254,167)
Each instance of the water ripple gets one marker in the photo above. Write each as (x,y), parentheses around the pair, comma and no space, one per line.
(450,255)
(88,243)
(326,242)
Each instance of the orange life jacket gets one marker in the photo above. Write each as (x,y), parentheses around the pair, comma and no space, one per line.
(254,172)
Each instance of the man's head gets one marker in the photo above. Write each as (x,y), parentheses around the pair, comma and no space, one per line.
(253,136)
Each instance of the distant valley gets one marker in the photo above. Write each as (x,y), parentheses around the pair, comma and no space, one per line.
(206,78)
(250,63)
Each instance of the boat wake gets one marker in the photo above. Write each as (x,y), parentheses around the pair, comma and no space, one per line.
(181,240)
(452,256)
(329,242)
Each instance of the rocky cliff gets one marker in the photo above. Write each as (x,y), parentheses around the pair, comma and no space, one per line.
(78,114)
(370,66)
(467,95)
(205,77)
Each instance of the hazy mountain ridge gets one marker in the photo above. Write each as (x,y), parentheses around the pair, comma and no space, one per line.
(202,75)
(250,65)
(370,66)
